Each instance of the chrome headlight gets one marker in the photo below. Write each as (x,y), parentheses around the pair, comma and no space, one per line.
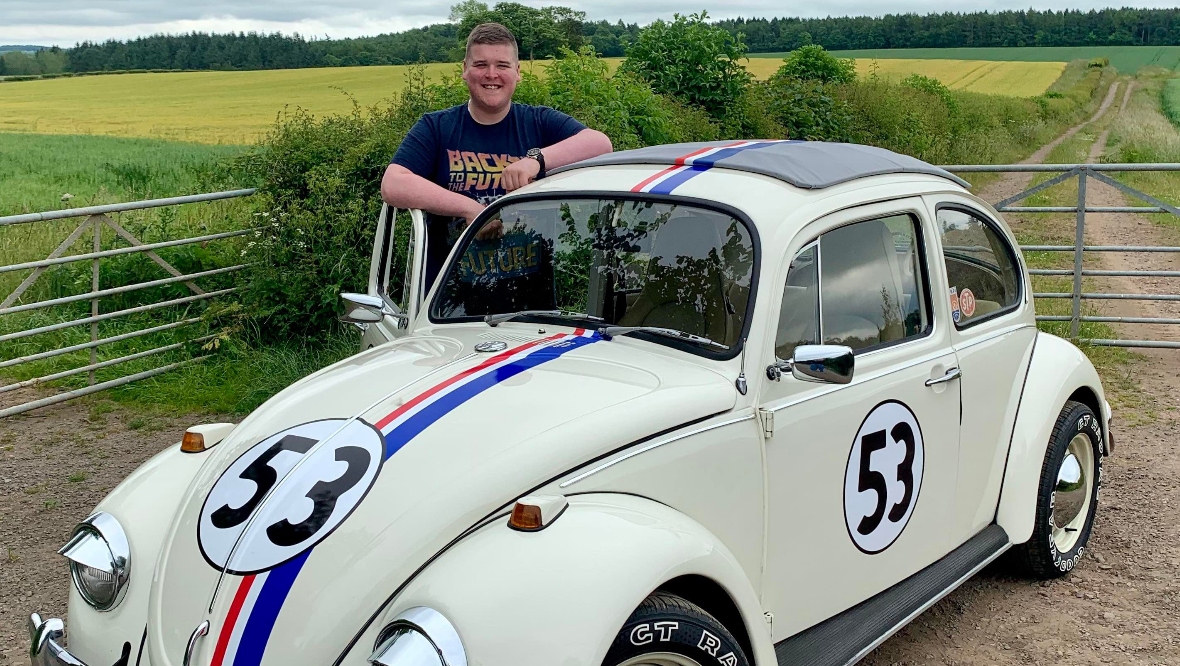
(100,560)
(419,637)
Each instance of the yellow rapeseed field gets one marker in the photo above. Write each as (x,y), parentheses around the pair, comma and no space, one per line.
(238,107)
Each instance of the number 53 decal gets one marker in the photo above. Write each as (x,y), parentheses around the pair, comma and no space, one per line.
(883,476)
(306,502)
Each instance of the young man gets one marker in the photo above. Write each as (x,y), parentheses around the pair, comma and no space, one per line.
(455,162)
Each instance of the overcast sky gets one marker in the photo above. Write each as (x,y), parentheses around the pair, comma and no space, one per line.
(65,22)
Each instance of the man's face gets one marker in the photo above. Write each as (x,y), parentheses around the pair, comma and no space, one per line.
(491,72)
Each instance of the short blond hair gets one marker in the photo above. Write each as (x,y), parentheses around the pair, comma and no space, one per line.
(491,33)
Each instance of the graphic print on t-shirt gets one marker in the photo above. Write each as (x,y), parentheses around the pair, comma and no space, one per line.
(477,175)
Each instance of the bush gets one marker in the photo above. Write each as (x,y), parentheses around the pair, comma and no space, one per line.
(813,63)
(807,110)
(1099,63)
(931,86)
(691,60)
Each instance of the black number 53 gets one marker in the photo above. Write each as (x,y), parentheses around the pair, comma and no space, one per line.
(870,479)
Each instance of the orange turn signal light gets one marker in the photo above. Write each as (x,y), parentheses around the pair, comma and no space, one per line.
(535,513)
(193,442)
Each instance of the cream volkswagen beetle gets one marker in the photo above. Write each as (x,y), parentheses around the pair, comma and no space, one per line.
(729,403)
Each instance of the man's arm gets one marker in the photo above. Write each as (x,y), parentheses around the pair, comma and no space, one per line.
(402,188)
(585,144)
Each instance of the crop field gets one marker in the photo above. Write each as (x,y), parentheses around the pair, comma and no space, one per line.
(1127,59)
(238,107)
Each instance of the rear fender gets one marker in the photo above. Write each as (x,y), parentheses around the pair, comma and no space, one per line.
(1058,371)
(559,596)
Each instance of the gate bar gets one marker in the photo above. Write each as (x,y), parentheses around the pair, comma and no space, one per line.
(1112,320)
(1117,297)
(1058,168)
(1103,273)
(121,207)
(44,263)
(87,345)
(1100,248)
(112,315)
(102,386)
(119,290)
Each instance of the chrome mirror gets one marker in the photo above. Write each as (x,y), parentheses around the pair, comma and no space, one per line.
(362,308)
(830,364)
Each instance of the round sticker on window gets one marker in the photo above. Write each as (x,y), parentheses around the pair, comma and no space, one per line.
(883,477)
(285,494)
(967,302)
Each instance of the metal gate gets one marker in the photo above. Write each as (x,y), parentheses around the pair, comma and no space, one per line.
(1083,173)
(95,219)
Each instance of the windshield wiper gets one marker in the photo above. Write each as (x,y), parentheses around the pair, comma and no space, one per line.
(610,331)
(497,319)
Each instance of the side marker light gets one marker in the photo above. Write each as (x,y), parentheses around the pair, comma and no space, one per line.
(203,437)
(536,512)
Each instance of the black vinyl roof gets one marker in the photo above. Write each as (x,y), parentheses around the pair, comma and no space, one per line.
(808,165)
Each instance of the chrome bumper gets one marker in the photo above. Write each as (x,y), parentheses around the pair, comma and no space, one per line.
(44,651)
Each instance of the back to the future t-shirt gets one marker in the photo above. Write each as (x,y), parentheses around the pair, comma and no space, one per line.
(449,148)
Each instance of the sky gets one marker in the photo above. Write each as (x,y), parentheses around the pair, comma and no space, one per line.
(66,22)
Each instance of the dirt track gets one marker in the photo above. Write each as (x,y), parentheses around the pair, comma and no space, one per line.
(1122,606)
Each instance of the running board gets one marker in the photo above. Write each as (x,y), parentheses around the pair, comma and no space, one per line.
(850,636)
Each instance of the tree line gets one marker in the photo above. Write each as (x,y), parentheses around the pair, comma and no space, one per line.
(544,32)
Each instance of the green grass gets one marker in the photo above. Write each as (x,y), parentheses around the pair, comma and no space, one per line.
(1128,59)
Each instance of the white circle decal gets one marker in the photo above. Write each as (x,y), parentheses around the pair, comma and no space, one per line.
(883,477)
(303,508)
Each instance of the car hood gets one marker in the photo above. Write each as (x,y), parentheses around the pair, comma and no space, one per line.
(334,492)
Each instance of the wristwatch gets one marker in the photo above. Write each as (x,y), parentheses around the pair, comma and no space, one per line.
(536,154)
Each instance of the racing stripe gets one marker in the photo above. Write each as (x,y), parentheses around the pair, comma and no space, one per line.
(693,164)
(261,600)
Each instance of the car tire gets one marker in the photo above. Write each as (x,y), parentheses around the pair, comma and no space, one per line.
(1067,497)
(667,630)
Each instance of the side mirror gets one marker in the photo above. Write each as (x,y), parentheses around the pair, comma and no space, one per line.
(365,309)
(827,364)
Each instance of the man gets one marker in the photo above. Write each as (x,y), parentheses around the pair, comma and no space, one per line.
(455,162)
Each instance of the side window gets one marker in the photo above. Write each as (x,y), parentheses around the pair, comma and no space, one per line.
(980,265)
(872,288)
(798,322)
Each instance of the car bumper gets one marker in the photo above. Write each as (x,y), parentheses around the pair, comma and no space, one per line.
(44,636)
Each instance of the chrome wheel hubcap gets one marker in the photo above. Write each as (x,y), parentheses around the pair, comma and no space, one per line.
(660,659)
(1071,495)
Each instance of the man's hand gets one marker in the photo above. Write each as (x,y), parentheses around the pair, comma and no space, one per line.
(520,173)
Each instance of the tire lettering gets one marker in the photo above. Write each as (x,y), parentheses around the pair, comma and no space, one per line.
(729,659)
(641,634)
(665,630)
(709,643)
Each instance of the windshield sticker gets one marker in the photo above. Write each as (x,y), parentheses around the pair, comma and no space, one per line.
(695,163)
(515,255)
(259,598)
(956,314)
(883,476)
(967,302)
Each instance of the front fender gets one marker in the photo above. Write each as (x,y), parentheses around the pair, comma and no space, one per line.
(144,504)
(559,596)
(1057,371)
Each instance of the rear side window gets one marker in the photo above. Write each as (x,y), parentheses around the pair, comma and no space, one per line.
(980,265)
(862,285)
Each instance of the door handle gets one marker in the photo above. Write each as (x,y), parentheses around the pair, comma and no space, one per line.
(950,376)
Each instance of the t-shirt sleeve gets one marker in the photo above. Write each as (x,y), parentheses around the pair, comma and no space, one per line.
(419,150)
(557,126)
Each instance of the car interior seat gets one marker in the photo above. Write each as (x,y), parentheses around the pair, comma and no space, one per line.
(863,289)
(684,289)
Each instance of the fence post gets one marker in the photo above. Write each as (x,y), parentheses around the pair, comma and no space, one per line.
(1079,243)
(93,289)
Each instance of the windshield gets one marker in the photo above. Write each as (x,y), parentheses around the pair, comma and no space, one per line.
(629,262)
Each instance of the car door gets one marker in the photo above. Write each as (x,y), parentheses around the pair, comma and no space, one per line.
(396,273)
(993,329)
(860,477)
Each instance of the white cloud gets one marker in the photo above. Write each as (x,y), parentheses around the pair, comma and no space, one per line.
(65,22)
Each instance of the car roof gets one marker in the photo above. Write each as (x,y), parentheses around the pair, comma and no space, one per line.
(809,165)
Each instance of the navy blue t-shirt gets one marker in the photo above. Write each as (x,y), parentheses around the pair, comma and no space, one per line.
(452,150)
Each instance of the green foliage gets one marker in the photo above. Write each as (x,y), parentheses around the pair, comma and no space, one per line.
(807,110)
(1171,101)
(931,86)
(692,61)
(1099,62)
(540,32)
(813,63)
